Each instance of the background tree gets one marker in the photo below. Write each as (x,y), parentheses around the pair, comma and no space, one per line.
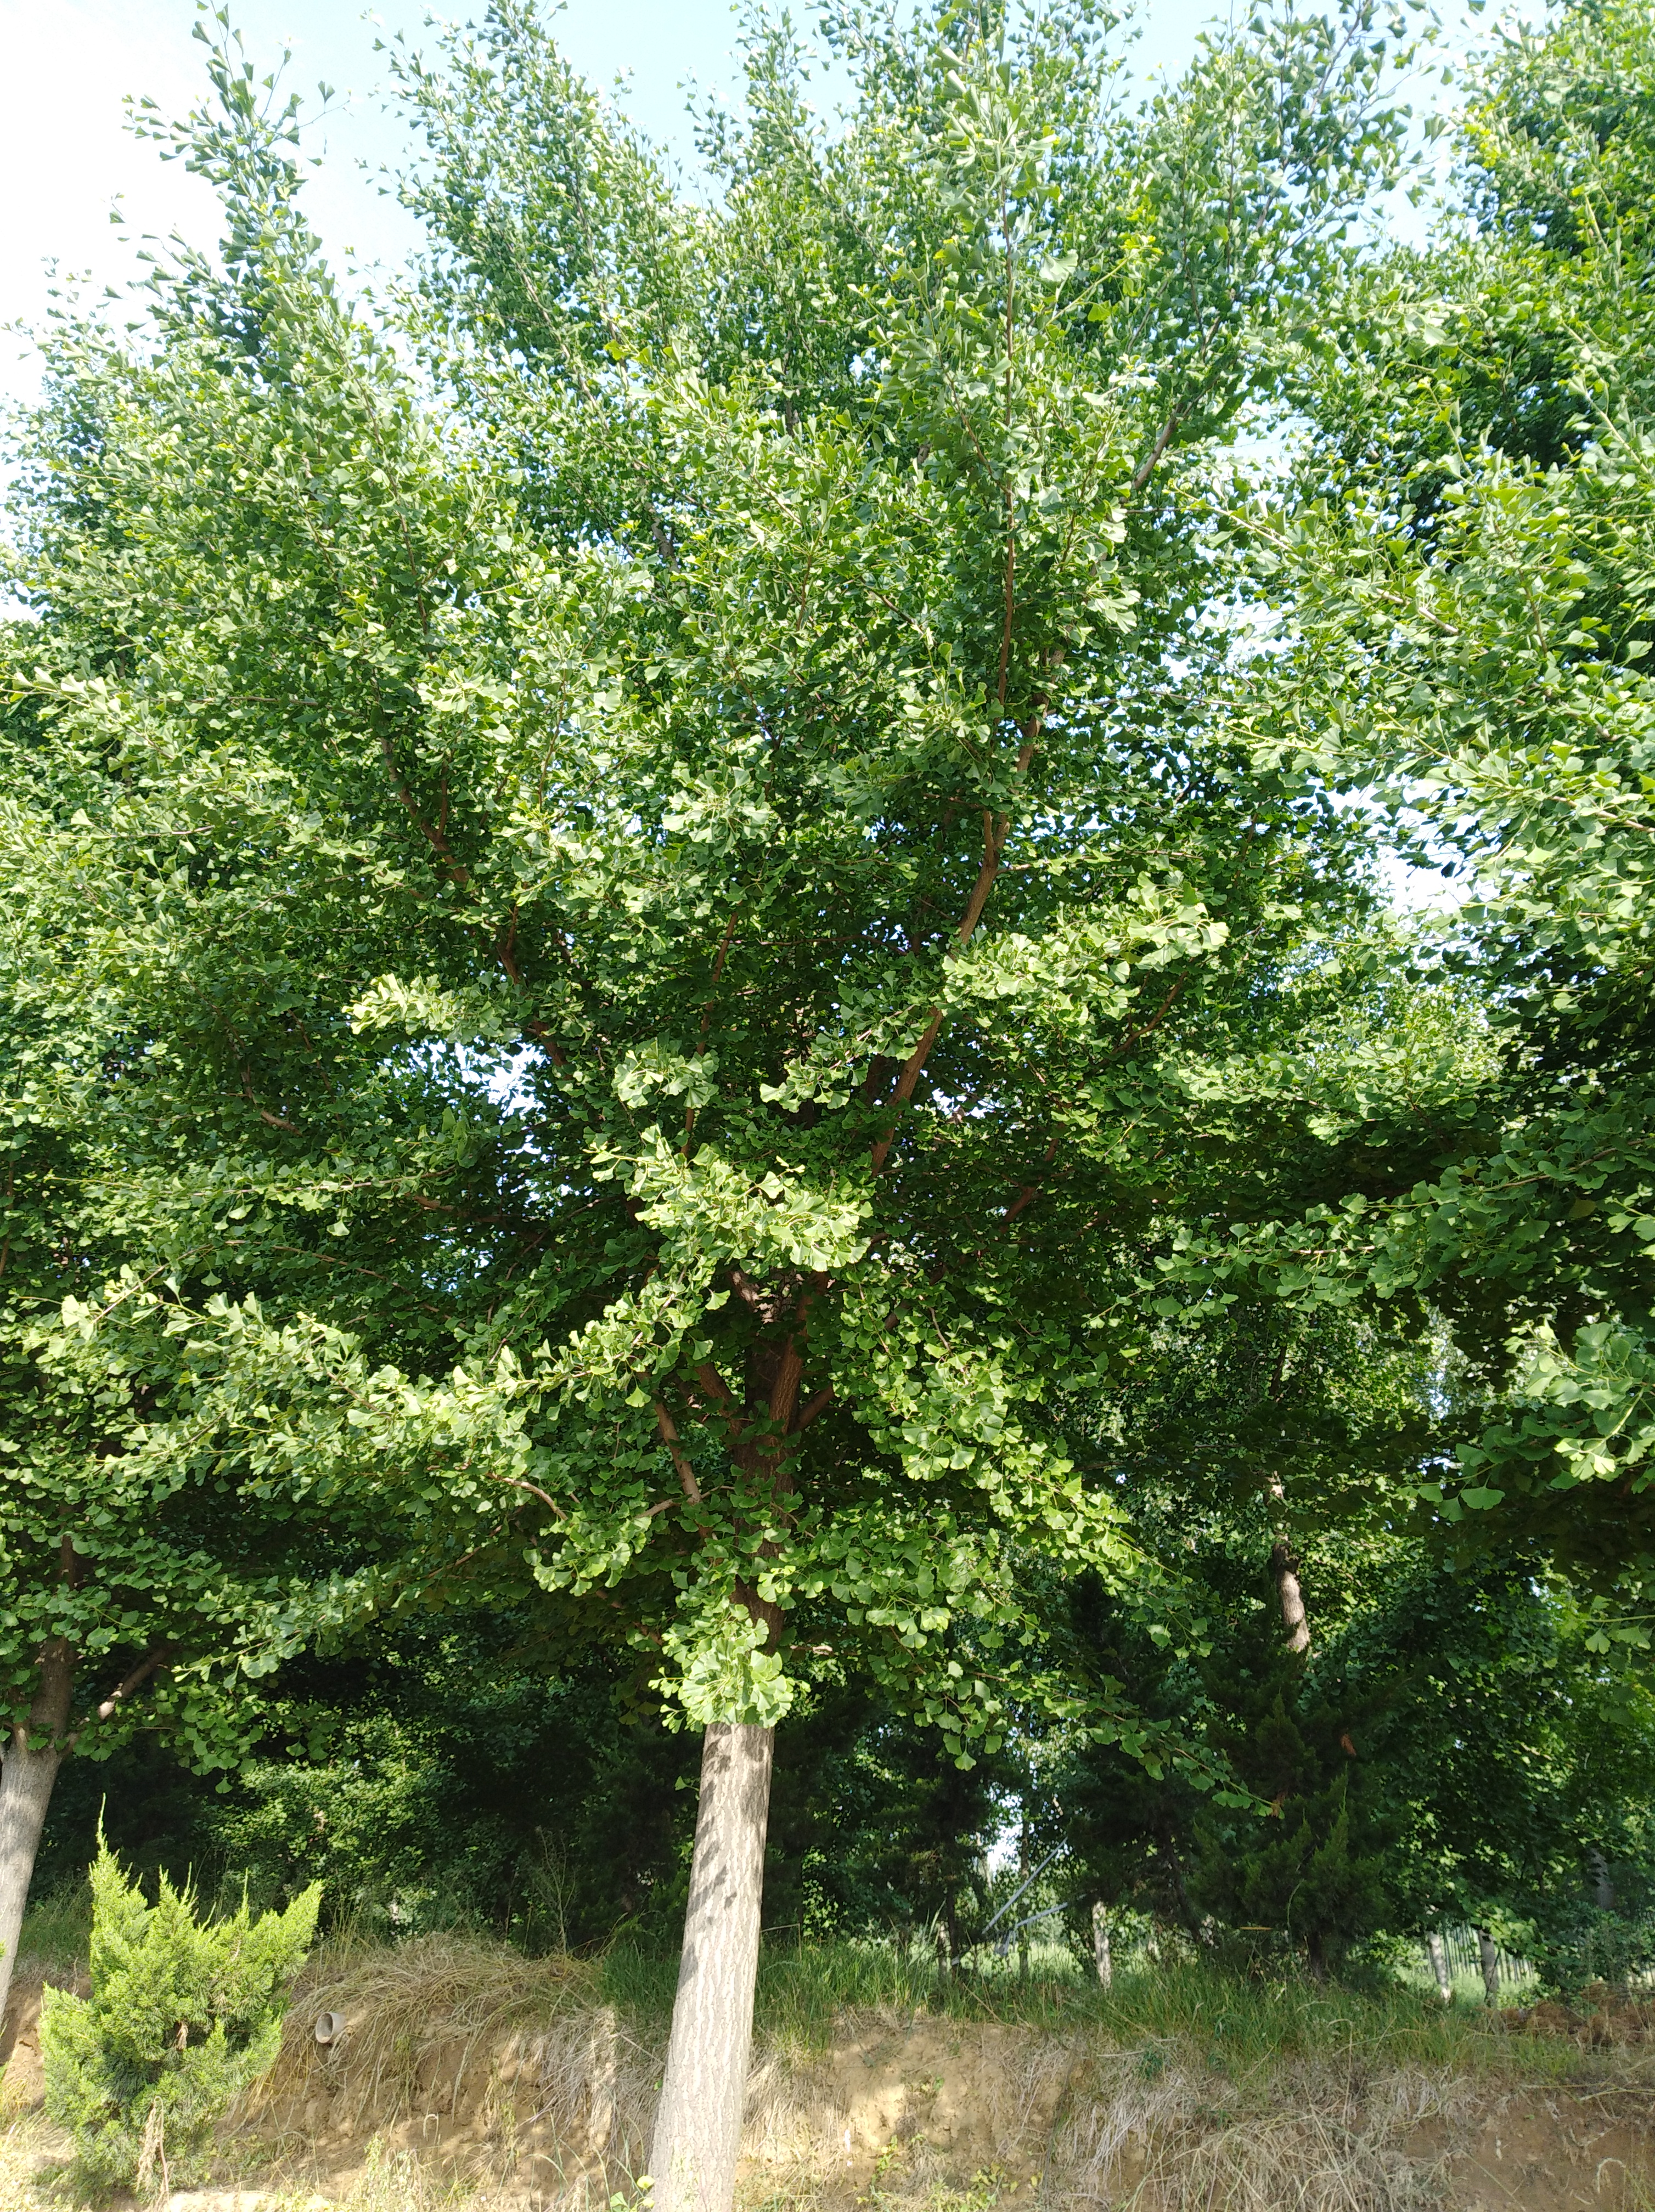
(156,1569)
(1467,548)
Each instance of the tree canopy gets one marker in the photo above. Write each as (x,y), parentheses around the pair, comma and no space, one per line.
(695,943)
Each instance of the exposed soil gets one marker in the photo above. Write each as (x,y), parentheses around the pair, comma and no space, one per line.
(416,2104)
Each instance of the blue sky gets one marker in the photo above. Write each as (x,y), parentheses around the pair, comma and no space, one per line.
(66,159)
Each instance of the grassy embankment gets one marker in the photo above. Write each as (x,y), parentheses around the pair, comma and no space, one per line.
(475,2075)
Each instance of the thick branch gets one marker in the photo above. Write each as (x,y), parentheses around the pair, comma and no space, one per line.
(905,1082)
(48,1712)
(784,1391)
(455,870)
(716,1387)
(1030,1191)
(1284,1566)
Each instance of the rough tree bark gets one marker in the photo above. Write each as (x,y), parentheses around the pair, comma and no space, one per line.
(33,1754)
(945,1951)
(697,2134)
(1436,1951)
(1603,1888)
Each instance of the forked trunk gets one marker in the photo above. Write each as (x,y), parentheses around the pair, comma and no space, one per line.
(33,1756)
(1437,1952)
(697,2137)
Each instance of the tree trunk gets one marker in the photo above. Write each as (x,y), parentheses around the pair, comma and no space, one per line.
(1489,1955)
(697,2136)
(1100,1944)
(1024,1855)
(1284,1566)
(28,1772)
(1603,1889)
(1438,1957)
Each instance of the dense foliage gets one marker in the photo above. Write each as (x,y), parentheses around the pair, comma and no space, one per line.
(700,1024)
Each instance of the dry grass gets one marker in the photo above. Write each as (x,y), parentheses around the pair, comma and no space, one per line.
(539,2092)
(473,2080)
(500,2054)
(1300,2137)
(395,2181)
(20,2140)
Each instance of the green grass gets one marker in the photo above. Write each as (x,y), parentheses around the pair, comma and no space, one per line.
(1191,2010)
(56,1929)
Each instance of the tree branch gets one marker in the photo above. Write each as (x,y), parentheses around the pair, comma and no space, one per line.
(812,1406)
(716,1387)
(140,1674)
(516,1482)
(669,1436)
(455,872)
(1146,467)
(996,828)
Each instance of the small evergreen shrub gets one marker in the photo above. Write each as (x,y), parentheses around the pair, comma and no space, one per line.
(184,2014)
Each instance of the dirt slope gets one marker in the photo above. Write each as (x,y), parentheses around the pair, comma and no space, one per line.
(466,2076)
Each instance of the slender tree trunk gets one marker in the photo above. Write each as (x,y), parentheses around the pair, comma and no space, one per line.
(1603,1889)
(1100,1944)
(1488,1954)
(1023,1857)
(33,1756)
(1438,1957)
(697,2136)
(1284,1566)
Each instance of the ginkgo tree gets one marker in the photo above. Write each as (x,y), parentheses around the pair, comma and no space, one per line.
(1465,574)
(705,832)
(157,1569)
